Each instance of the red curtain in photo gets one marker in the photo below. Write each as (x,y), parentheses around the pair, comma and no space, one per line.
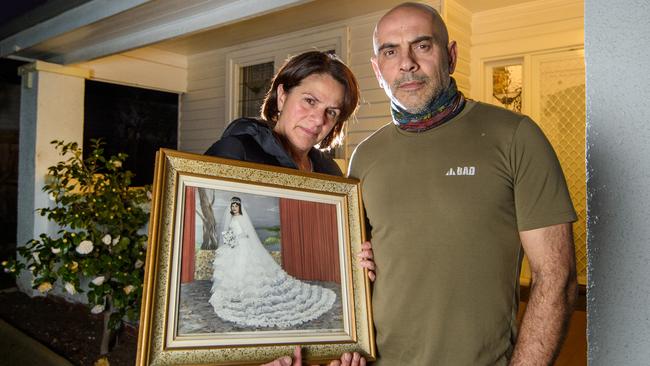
(189,236)
(309,240)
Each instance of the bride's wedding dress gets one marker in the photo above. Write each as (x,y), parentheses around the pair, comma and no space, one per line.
(250,289)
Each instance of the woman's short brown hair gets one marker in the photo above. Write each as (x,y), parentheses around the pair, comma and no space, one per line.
(297,68)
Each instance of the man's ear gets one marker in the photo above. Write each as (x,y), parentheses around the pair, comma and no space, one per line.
(452,55)
(375,68)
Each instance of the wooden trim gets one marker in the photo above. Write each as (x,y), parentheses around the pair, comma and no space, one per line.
(55,69)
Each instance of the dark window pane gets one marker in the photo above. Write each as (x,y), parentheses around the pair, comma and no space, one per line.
(255,80)
(131,120)
(9,127)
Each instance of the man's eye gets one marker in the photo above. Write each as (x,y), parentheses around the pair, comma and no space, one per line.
(389,52)
(423,46)
(310,101)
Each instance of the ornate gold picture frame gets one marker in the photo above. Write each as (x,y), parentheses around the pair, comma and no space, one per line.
(245,261)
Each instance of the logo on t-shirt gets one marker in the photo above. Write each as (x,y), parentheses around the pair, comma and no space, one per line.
(462,170)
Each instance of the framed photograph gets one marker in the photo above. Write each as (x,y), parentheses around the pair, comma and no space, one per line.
(246,261)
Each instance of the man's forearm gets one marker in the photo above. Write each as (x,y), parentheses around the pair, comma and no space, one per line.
(551,301)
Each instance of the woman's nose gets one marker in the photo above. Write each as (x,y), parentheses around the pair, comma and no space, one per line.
(318,116)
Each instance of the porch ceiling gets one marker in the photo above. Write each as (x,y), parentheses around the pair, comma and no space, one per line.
(99,28)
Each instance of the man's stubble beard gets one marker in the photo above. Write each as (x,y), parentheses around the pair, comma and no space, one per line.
(430,91)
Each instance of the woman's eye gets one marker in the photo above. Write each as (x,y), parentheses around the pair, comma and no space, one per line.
(333,114)
(310,101)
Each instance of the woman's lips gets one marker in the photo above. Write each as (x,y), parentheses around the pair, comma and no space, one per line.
(311,132)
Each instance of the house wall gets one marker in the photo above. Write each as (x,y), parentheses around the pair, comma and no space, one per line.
(523,29)
(203,111)
(618,199)
(51,108)
(459,26)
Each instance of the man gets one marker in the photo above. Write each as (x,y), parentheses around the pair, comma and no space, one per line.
(453,190)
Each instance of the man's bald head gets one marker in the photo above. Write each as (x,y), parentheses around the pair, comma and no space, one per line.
(439,29)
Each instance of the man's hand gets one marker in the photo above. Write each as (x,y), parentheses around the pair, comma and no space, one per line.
(366,259)
(347,359)
(551,255)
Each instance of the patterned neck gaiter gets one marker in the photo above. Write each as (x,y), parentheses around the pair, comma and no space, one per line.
(440,110)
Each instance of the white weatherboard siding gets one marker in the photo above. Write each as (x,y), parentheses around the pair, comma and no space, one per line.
(459,26)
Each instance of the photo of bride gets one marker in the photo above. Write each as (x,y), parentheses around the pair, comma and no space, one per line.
(257,263)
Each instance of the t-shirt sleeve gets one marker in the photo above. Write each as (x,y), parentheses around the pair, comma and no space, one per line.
(228,147)
(540,190)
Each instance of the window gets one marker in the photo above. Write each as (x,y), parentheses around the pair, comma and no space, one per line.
(507,86)
(131,120)
(254,81)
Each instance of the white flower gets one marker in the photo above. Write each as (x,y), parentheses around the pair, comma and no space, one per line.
(117,163)
(55,250)
(85,247)
(116,240)
(106,239)
(35,255)
(139,263)
(44,287)
(69,287)
(128,289)
(98,280)
(97,309)
(52,196)
(149,195)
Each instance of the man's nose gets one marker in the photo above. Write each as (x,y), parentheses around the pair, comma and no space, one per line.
(408,62)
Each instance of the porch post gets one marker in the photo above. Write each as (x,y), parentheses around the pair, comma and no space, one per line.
(51,107)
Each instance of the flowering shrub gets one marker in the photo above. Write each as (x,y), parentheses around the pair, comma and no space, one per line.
(100,217)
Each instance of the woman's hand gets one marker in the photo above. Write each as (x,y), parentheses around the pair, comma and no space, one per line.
(366,260)
(287,361)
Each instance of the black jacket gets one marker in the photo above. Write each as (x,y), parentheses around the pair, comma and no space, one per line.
(250,140)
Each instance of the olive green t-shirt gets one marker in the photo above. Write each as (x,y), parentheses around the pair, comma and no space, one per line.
(446,206)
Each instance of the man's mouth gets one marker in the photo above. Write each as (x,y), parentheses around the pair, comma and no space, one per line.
(411,85)
(411,82)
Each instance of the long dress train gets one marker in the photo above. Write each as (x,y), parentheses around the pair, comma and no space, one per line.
(250,289)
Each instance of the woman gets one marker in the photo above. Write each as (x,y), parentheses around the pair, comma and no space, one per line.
(250,289)
(310,99)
